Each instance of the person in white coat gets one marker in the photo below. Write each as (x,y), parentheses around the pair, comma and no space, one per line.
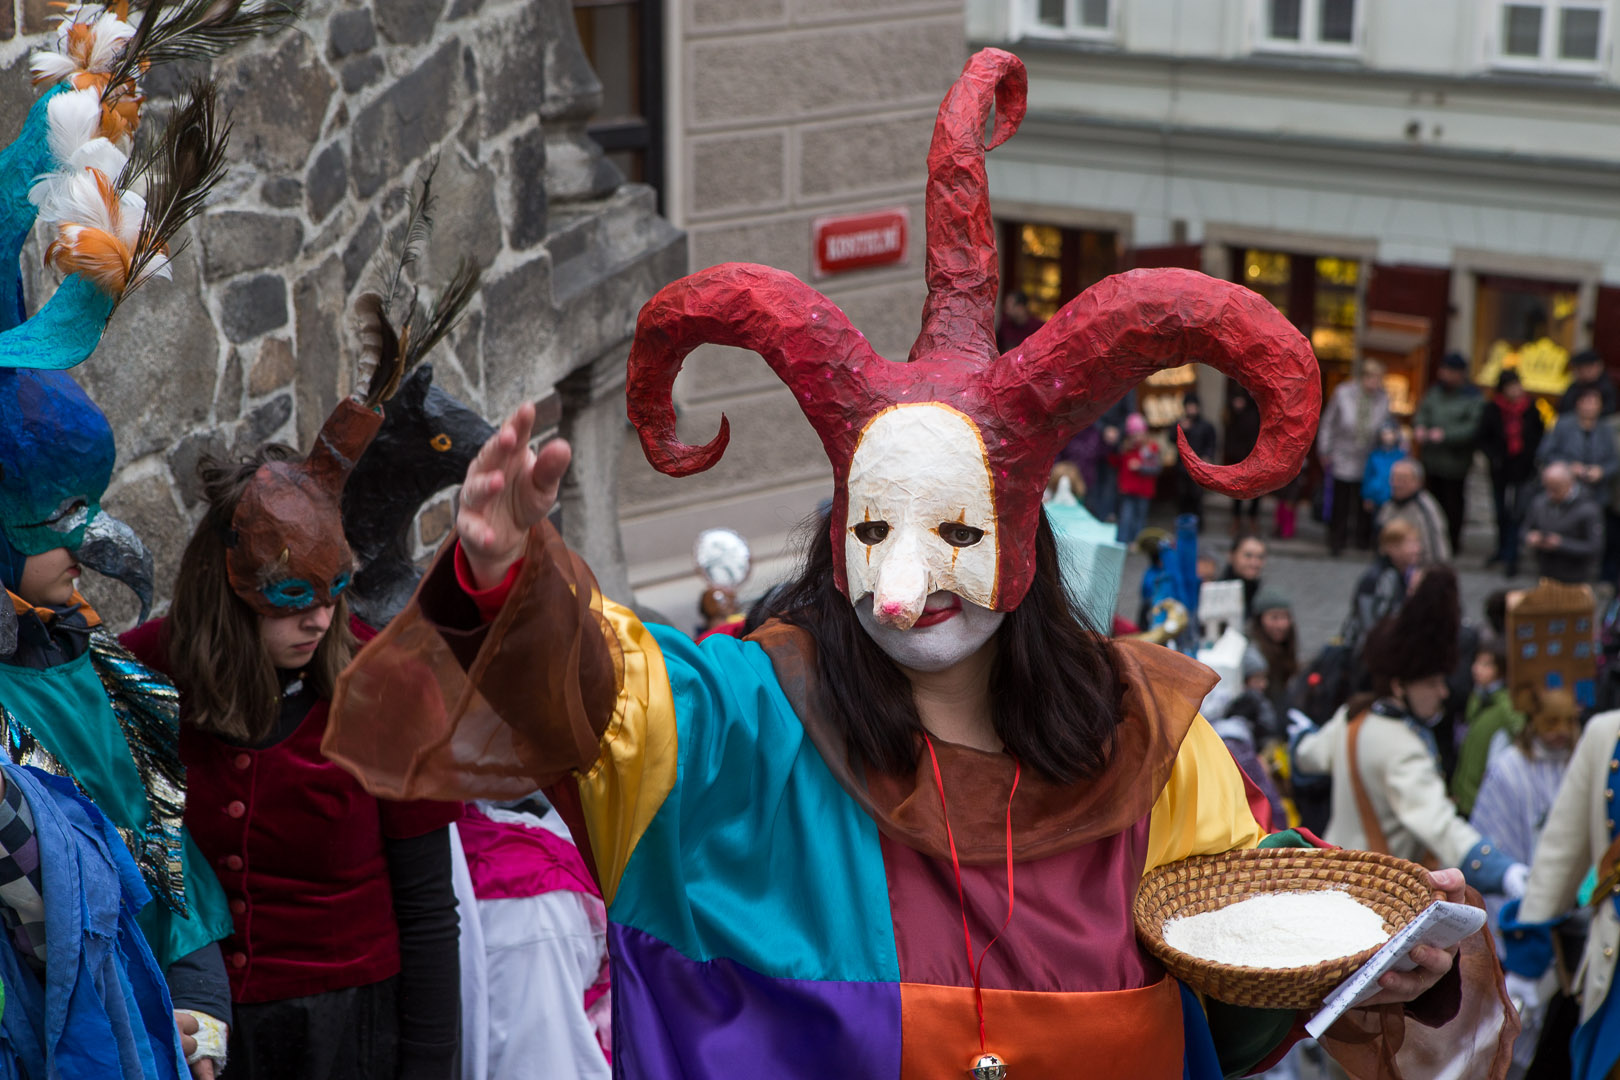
(1388,794)
(1579,835)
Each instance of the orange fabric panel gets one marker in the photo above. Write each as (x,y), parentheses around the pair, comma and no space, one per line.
(1130,1034)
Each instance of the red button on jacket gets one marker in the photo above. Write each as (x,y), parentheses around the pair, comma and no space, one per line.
(320,903)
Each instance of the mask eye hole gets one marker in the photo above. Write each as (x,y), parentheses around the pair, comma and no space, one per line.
(959,535)
(290,593)
(441,442)
(872,532)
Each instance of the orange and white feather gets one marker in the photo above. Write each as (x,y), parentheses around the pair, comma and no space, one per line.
(97,230)
(88,41)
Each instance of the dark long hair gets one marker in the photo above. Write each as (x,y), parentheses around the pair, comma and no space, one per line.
(227,683)
(1053,685)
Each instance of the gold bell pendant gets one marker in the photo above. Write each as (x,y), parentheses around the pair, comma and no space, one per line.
(988,1066)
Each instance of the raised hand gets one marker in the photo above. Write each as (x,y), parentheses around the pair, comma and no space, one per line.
(509,489)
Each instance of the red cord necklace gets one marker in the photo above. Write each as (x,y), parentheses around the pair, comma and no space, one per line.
(986,1066)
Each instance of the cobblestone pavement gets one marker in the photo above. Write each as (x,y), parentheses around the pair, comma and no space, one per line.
(1318,585)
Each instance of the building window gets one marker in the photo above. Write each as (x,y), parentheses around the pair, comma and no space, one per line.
(1052,265)
(1067,18)
(623,40)
(1549,35)
(1320,294)
(1328,27)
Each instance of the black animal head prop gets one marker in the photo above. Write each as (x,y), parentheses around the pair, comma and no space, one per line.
(288,552)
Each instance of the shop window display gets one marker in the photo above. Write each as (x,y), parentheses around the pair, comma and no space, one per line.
(1525,325)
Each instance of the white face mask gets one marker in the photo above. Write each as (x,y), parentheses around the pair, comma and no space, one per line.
(921,517)
(950,630)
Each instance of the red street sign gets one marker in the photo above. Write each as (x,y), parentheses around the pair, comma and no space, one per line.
(860,241)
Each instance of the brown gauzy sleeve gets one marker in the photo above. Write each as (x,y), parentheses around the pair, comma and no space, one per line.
(439,706)
(1476,1040)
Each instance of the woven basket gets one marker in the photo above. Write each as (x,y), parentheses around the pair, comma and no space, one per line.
(1394,888)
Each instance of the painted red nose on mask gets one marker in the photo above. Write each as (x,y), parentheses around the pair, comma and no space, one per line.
(1026,403)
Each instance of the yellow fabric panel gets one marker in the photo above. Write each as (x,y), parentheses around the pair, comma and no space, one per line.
(1202,809)
(636,771)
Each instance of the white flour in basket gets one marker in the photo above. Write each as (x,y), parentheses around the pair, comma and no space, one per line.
(1279,930)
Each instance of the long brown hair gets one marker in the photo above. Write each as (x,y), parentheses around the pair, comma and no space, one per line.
(227,683)
(1054,686)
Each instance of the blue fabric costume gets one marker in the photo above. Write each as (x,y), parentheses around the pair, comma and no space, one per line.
(102,1010)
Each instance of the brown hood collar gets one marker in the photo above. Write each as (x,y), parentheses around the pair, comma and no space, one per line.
(1162,694)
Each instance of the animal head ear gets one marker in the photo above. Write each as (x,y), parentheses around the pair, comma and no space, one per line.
(415,389)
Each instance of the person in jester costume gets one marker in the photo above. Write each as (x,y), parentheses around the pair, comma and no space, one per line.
(896,832)
(95,788)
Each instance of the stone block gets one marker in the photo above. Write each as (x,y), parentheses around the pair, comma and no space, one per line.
(735,14)
(528,179)
(516,345)
(801,75)
(359,72)
(277,101)
(738,172)
(36,16)
(782,242)
(358,253)
(512,53)
(228,394)
(326,181)
(16,97)
(163,338)
(236,241)
(460,9)
(405,121)
(253,306)
(771,444)
(145,502)
(275,367)
(890,315)
(467,221)
(407,22)
(716,373)
(261,424)
(319,300)
(187,454)
(858,156)
(282,192)
(350,32)
(824,11)
(8,20)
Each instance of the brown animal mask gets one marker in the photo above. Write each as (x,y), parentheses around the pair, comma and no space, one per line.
(286,549)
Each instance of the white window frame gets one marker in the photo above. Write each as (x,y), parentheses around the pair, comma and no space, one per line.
(1027,22)
(1547,62)
(1310,42)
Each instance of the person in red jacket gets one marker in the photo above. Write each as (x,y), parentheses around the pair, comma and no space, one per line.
(344,960)
(1138,464)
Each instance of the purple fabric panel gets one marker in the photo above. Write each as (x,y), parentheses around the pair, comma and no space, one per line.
(679,1018)
(1071,930)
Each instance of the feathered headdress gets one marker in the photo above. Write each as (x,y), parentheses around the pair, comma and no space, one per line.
(77,166)
(287,551)
(939,463)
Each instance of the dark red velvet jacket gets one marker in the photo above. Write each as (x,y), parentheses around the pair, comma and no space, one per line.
(298,846)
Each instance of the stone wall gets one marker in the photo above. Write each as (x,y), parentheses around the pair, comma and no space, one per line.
(782,111)
(334,119)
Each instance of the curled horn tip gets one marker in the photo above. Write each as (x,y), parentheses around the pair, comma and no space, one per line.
(672,457)
(1265,469)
